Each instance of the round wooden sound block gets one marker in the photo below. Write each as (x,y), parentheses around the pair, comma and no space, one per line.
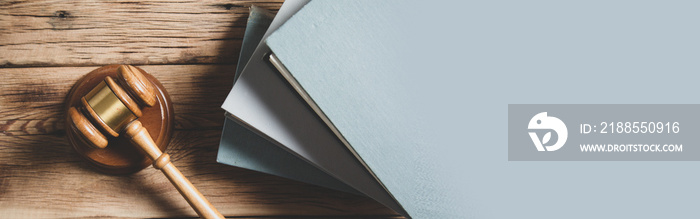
(120,156)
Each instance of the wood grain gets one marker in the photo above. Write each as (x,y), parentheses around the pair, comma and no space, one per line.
(31,98)
(42,177)
(73,33)
(192,48)
(139,135)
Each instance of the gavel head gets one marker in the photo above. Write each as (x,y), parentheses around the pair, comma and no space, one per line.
(97,113)
(111,106)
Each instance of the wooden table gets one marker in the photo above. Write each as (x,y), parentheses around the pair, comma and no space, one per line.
(192,48)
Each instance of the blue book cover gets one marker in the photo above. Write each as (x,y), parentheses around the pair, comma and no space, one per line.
(341,57)
(421,94)
(242,147)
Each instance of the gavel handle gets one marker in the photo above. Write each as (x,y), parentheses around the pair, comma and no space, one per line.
(140,136)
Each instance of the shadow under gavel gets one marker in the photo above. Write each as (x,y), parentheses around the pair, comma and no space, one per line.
(114,107)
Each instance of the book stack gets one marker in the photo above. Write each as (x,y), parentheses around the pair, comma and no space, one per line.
(407,102)
(317,98)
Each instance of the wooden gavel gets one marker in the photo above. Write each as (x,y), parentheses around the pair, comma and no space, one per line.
(114,107)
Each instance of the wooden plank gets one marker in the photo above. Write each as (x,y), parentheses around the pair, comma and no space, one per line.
(74,33)
(191,47)
(42,177)
(31,99)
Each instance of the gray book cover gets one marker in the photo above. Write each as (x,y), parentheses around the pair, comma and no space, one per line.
(262,100)
(344,60)
(240,145)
